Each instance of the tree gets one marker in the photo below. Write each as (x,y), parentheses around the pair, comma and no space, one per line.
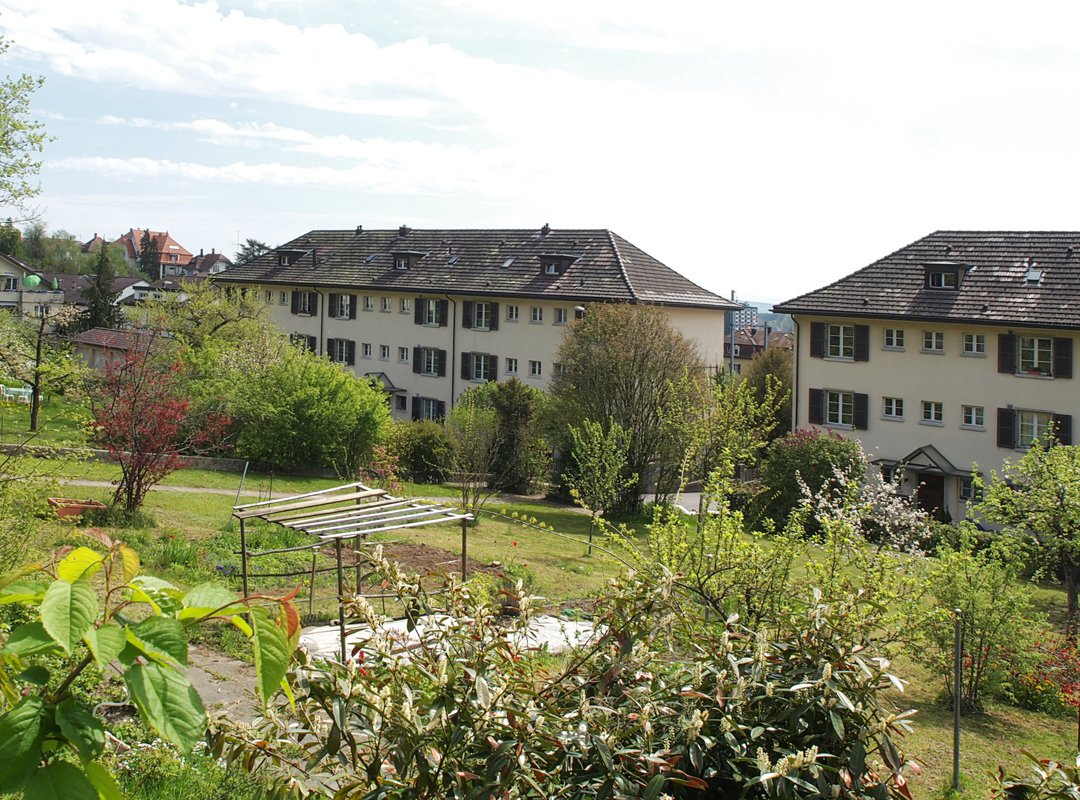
(770,371)
(149,256)
(252,248)
(471,430)
(102,311)
(521,459)
(142,417)
(1040,494)
(620,362)
(22,140)
(598,475)
(32,351)
(11,243)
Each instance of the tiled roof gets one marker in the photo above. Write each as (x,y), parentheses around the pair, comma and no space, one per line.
(108,338)
(75,286)
(602,265)
(994,289)
(132,241)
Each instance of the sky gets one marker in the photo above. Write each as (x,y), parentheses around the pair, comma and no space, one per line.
(762,148)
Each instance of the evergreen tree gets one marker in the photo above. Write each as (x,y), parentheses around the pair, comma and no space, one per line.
(149,256)
(102,311)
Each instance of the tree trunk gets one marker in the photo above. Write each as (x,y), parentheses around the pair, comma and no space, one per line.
(35,385)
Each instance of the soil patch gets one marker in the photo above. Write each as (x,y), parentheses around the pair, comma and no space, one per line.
(427,560)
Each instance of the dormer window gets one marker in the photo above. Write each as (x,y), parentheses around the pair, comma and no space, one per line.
(401,262)
(406,259)
(555,263)
(941,280)
(943,275)
(283,261)
(551,267)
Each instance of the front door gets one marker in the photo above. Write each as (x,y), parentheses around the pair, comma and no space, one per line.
(932,494)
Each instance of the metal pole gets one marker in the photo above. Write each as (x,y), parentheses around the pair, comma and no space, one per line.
(239,489)
(341,598)
(243,556)
(311,590)
(464,546)
(958,675)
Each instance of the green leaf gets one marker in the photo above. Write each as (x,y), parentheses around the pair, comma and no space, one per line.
(29,639)
(20,742)
(81,728)
(652,791)
(162,596)
(59,781)
(105,642)
(161,639)
(209,595)
(9,578)
(272,654)
(168,703)
(129,560)
(37,675)
(242,625)
(68,611)
(104,782)
(79,562)
(22,591)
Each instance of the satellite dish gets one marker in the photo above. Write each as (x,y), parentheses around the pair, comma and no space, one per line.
(32,281)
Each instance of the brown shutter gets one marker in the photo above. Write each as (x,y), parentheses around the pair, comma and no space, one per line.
(352,306)
(443,312)
(416,408)
(1006,428)
(440,363)
(417,354)
(1006,353)
(330,347)
(493,368)
(466,366)
(418,311)
(295,299)
(860,411)
(1062,428)
(466,313)
(334,302)
(350,354)
(817,340)
(313,303)
(817,407)
(494,324)
(1063,357)
(440,409)
(862,343)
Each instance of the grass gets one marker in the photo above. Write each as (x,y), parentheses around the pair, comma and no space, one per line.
(61,422)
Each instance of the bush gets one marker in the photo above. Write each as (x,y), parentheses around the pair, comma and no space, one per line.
(422,450)
(813,456)
(1052,685)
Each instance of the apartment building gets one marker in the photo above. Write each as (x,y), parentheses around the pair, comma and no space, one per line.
(949,355)
(431,312)
(26,291)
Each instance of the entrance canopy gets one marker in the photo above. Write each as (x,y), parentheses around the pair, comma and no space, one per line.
(926,460)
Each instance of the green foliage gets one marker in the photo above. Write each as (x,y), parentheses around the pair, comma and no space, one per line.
(101,308)
(11,239)
(522,460)
(252,248)
(87,601)
(1047,780)
(22,139)
(770,373)
(999,623)
(471,431)
(149,256)
(811,457)
(422,450)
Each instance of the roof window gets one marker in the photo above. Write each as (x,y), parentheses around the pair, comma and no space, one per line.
(943,275)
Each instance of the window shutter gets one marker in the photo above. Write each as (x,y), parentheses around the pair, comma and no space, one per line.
(1062,428)
(862,343)
(441,363)
(1006,428)
(416,409)
(466,366)
(860,412)
(1063,349)
(331,348)
(335,304)
(352,306)
(440,409)
(313,303)
(494,324)
(442,313)
(295,299)
(466,314)
(312,344)
(817,340)
(493,367)
(817,407)
(1006,353)
(416,355)
(418,311)
(350,355)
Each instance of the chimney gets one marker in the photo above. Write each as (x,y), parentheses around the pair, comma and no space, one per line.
(213,252)
(403,230)
(359,230)
(200,252)
(544,231)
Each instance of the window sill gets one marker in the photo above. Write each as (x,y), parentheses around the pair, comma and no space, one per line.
(369,309)
(836,426)
(513,320)
(891,419)
(384,311)
(932,423)
(973,355)
(1036,375)
(973,427)
(932,352)
(558,323)
(892,349)
(848,359)
(485,329)
(536,322)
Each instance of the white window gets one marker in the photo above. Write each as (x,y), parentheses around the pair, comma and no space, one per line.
(974,344)
(401,262)
(430,363)
(942,280)
(511,366)
(431,312)
(401,402)
(339,351)
(481,316)
(933,412)
(303,304)
(283,297)
(365,349)
(403,354)
(369,303)
(551,267)
(840,341)
(965,489)
(535,370)
(344,308)
(384,352)
(9,283)
(560,316)
(512,313)
(839,408)
(403,306)
(894,338)
(283,261)
(481,367)
(1031,425)
(1036,355)
(386,304)
(973,416)
(933,341)
(269,297)
(537,314)
(892,407)
(429,408)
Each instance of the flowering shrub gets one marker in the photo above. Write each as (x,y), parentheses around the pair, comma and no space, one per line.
(1053,685)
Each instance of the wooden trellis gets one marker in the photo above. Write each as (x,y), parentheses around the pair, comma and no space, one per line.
(350,512)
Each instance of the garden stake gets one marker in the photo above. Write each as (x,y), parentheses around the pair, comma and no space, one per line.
(311,590)
(464,545)
(957,677)
(243,555)
(341,598)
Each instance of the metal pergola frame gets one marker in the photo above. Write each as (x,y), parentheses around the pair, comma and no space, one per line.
(350,512)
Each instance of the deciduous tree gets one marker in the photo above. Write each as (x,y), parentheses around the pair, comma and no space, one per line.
(22,140)
(598,473)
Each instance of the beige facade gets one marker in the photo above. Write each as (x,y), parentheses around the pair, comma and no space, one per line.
(386,338)
(16,296)
(936,395)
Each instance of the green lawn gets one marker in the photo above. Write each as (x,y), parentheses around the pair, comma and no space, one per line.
(61,423)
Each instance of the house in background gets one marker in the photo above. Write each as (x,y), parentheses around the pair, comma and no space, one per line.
(432,312)
(99,347)
(26,291)
(208,264)
(749,342)
(949,355)
(173,258)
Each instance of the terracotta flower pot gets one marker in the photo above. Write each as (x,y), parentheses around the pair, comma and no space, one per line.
(67,507)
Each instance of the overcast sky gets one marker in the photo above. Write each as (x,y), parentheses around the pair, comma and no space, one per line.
(766,148)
